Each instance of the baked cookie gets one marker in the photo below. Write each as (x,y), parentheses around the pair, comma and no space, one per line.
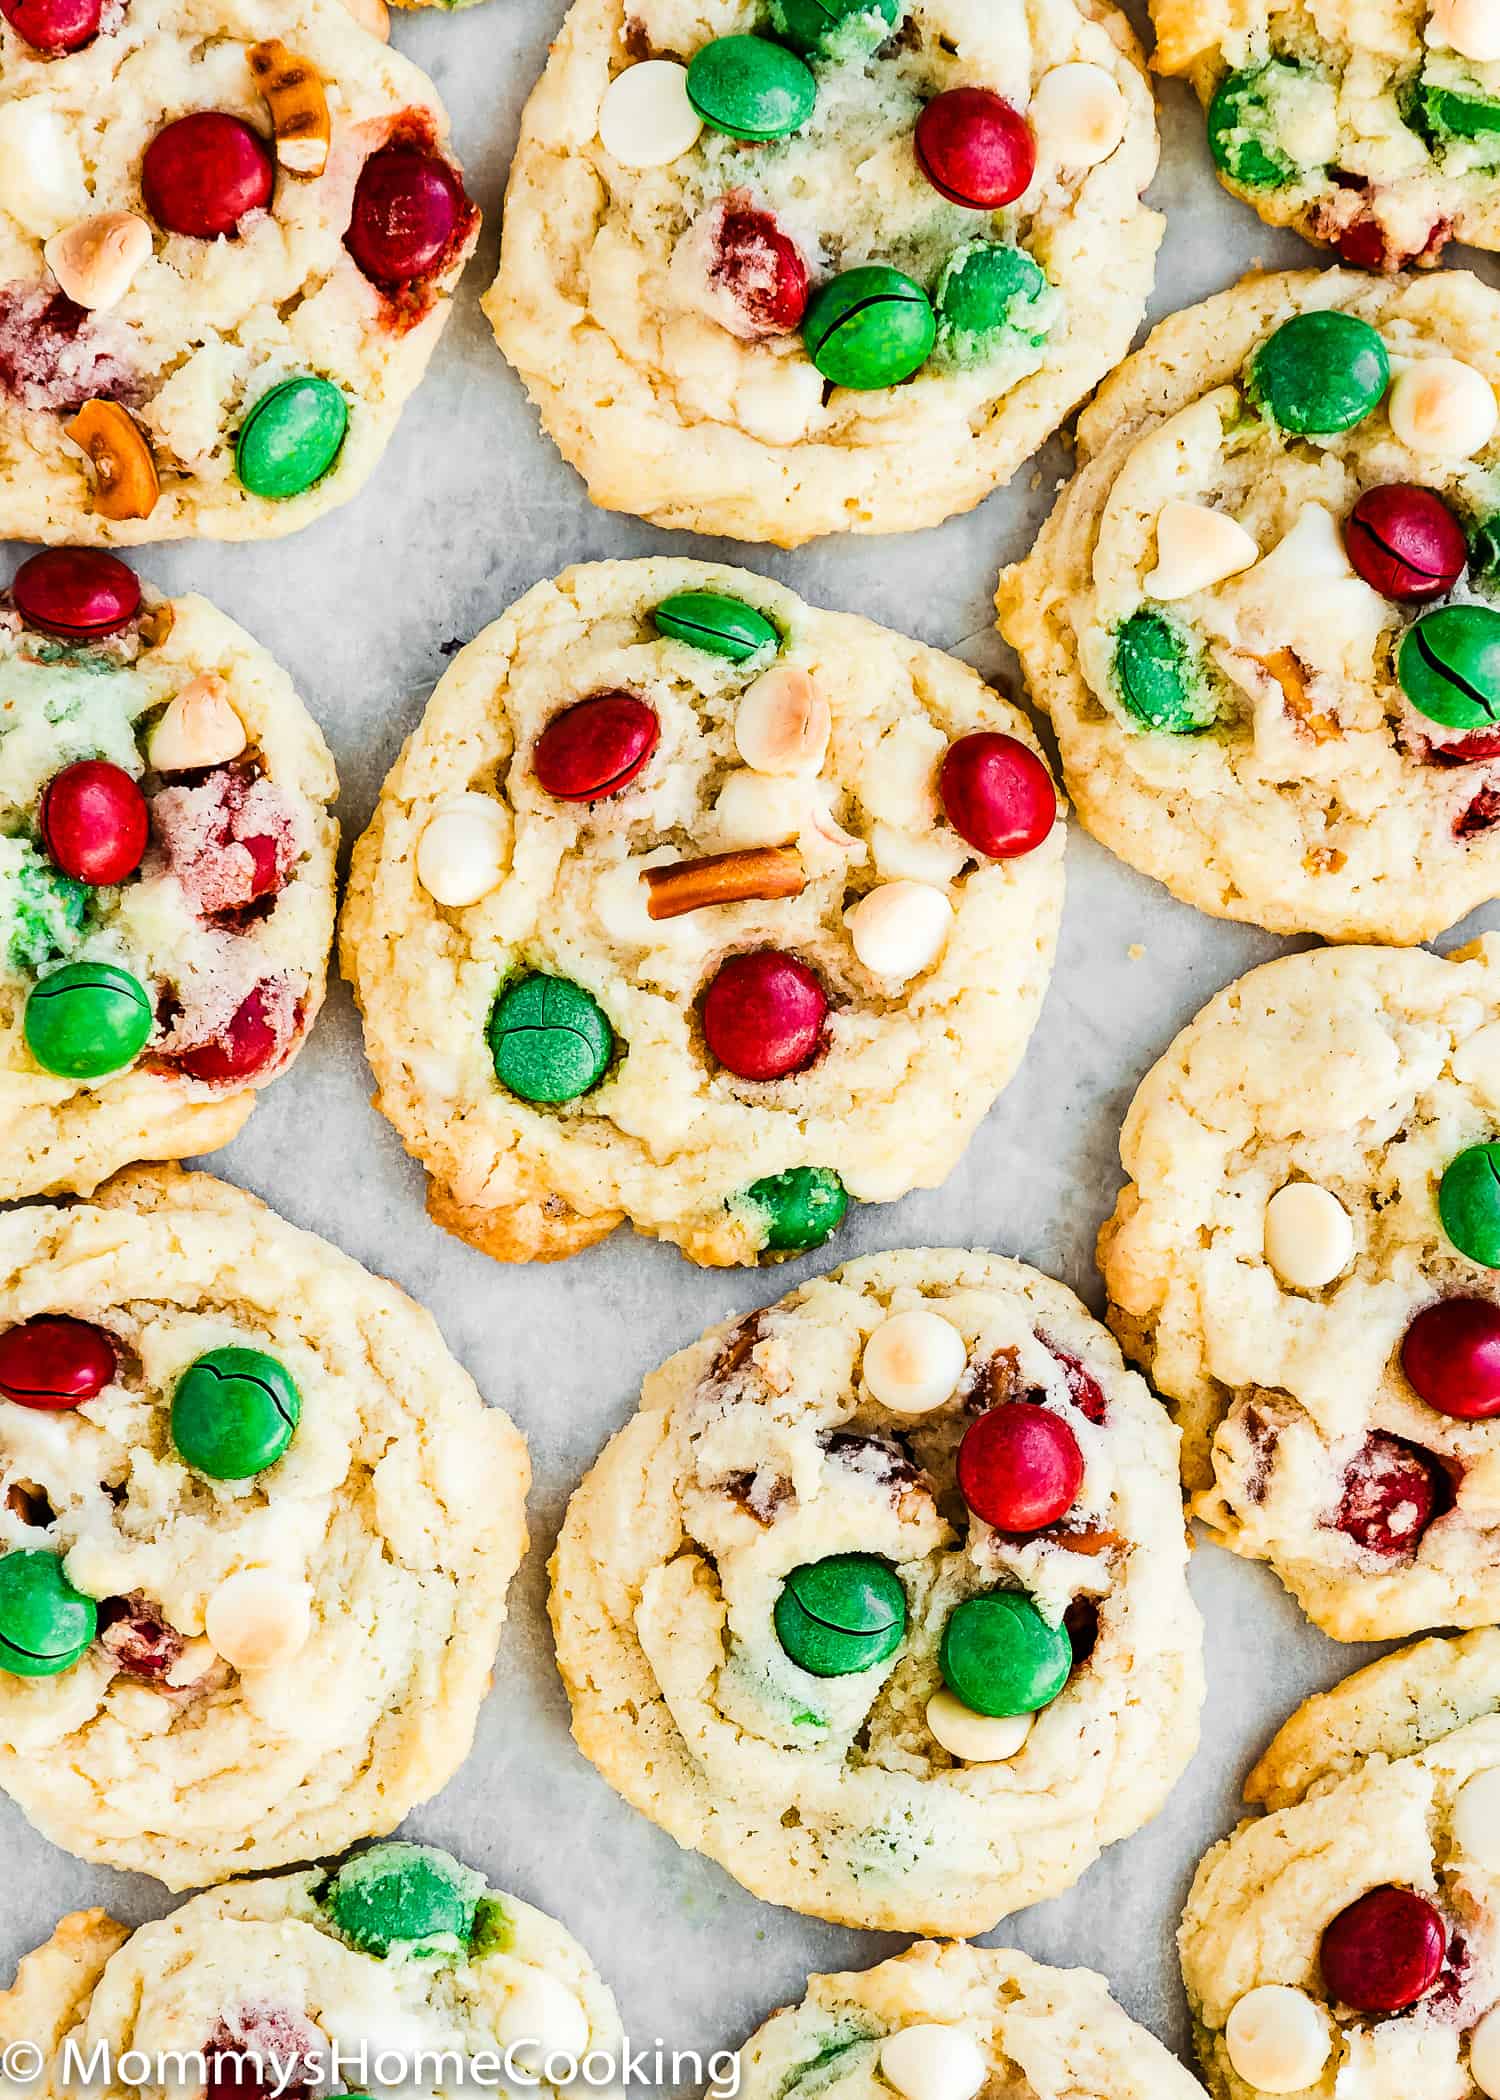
(941,2023)
(1374,127)
(166,873)
(675,906)
(1346,1940)
(775,268)
(229,240)
(1304,1260)
(1265,613)
(401,1957)
(880,1600)
(235,1470)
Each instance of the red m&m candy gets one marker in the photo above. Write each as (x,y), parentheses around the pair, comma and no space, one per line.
(763,1015)
(975,148)
(78,593)
(203,173)
(1451,1356)
(997,794)
(1405,543)
(407,207)
(1019,1467)
(761,268)
(54,1362)
(1391,1493)
(94,822)
(1385,1951)
(246,1044)
(596,747)
(53,26)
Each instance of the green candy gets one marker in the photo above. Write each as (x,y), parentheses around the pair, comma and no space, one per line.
(1320,373)
(1484,549)
(86,1020)
(999,1656)
(1243,122)
(802,1208)
(41,909)
(234,1413)
(409,1896)
(1160,676)
(841,1615)
(1439,113)
(45,1624)
(550,1039)
(823,26)
(989,293)
(870,328)
(1449,666)
(750,88)
(291,437)
(717,624)
(1469,1203)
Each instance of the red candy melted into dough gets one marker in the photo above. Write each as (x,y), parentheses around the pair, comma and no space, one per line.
(229,841)
(54,355)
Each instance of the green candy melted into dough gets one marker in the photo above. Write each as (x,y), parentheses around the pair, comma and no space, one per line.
(54,714)
(41,909)
(412,1899)
(1160,677)
(1271,125)
(993,299)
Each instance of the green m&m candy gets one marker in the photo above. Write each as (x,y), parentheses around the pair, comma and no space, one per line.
(1440,113)
(86,1020)
(999,1656)
(45,1624)
(750,88)
(1320,373)
(1449,666)
(1244,123)
(829,25)
(234,1413)
(840,1615)
(802,1208)
(550,1039)
(409,1896)
(1160,676)
(869,328)
(991,294)
(1469,1203)
(291,437)
(721,625)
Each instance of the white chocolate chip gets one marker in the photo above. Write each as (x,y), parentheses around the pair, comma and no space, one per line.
(1484,2055)
(197,727)
(1078,113)
(1309,1238)
(258,1620)
(783,723)
(1476,1820)
(755,810)
(464,849)
(541,2017)
(928,2062)
(976,1739)
(373,15)
(196,1660)
(918,856)
(95,259)
(1277,2038)
(1443,407)
(914,1360)
(1196,548)
(1469,27)
(646,119)
(41,167)
(900,929)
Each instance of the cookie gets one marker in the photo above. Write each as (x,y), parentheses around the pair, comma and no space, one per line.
(940,2022)
(1373,128)
(228,248)
(400,1956)
(776,268)
(167,853)
(676,906)
(1304,1262)
(880,1599)
(1344,1939)
(1264,613)
(257,1529)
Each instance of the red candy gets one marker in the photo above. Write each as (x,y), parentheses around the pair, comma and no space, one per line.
(1451,1355)
(975,148)
(997,794)
(136,1634)
(53,26)
(1391,1493)
(54,1363)
(1405,543)
(760,268)
(1019,1467)
(94,821)
(79,593)
(595,747)
(1385,1951)
(408,205)
(763,1015)
(202,174)
(246,1045)
(1084,1389)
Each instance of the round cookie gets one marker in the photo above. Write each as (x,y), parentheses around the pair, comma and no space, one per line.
(936,2021)
(1261,612)
(797,1484)
(1373,128)
(1344,1939)
(257,1530)
(166,873)
(400,1955)
(228,245)
(1279,1265)
(660,916)
(776,268)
